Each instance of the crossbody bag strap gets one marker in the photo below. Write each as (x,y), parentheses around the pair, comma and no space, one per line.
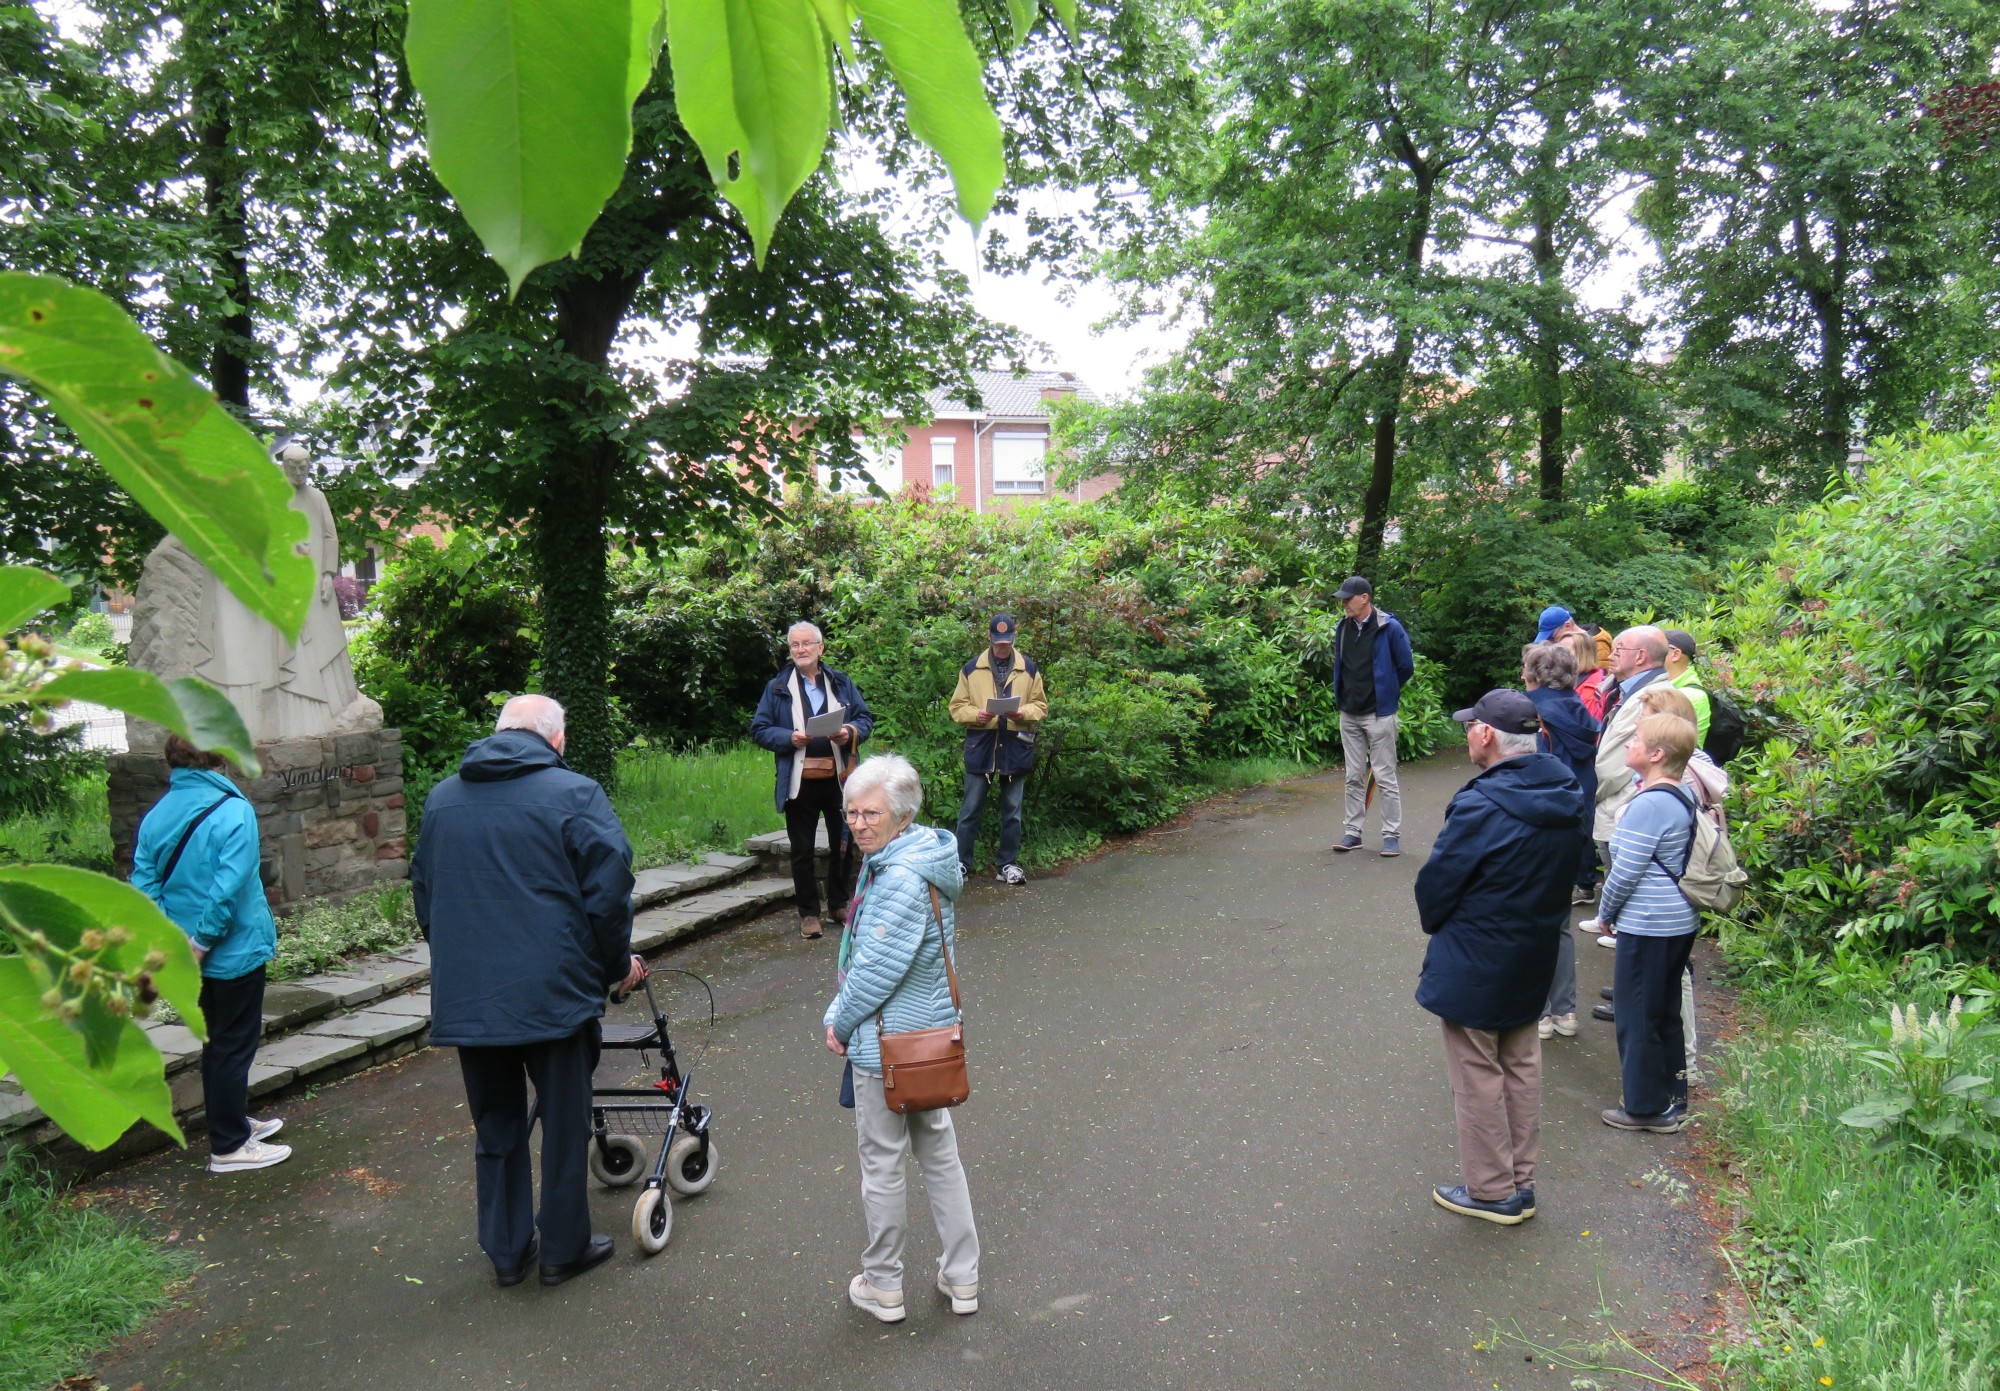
(1688,859)
(174,860)
(950,974)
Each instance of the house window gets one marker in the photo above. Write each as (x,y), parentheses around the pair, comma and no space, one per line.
(882,464)
(944,461)
(1017,462)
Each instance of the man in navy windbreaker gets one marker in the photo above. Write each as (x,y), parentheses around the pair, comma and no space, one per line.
(522,882)
(1494,899)
(1372,662)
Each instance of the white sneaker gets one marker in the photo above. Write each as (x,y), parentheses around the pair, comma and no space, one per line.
(964,1298)
(1608,940)
(1546,1028)
(1590,925)
(255,1154)
(886,1305)
(1565,1024)
(264,1130)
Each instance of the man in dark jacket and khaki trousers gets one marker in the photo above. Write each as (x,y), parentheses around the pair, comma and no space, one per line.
(522,882)
(1494,898)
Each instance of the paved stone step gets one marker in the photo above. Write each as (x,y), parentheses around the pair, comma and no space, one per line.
(652,887)
(774,848)
(692,917)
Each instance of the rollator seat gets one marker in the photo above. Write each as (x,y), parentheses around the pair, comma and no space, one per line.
(631,1036)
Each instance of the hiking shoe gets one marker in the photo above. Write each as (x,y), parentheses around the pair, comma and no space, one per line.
(1392,846)
(264,1130)
(1510,1213)
(1546,1027)
(1527,1197)
(1582,895)
(1350,841)
(964,1298)
(1666,1122)
(1565,1024)
(255,1154)
(1604,993)
(809,927)
(886,1305)
(1010,874)
(1603,1012)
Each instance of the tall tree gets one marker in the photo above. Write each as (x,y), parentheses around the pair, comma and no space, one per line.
(1830,261)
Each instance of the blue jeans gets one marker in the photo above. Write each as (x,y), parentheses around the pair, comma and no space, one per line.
(1012,790)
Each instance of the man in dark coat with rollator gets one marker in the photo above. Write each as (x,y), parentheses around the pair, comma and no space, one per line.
(522,883)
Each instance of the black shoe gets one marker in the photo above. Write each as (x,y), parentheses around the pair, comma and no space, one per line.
(1667,1122)
(596,1254)
(1604,1012)
(1510,1213)
(510,1275)
(1527,1197)
(1604,994)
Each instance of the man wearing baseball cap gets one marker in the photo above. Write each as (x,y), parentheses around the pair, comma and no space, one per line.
(1494,899)
(999,749)
(1681,674)
(1371,663)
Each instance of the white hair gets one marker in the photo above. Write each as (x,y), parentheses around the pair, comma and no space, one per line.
(812,628)
(1512,745)
(536,713)
(895,777)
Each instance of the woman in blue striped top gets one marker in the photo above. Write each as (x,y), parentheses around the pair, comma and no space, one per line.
(1655,927)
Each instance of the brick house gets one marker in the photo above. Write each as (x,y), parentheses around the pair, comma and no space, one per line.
(992,459)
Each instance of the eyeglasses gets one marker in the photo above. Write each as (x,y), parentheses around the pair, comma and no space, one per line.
(868,816)
(808,645)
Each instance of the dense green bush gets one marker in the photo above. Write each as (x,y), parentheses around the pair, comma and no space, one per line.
(1869,652)
(38,766)
(458,617)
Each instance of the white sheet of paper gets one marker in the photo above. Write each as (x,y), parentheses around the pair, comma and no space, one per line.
(1003,705)
(827,725)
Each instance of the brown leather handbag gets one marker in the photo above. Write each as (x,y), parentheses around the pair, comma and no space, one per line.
(924,1069)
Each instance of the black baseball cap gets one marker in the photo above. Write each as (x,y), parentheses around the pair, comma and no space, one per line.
(1001,629)
(1351,586)
(1681,638)
(1506,710)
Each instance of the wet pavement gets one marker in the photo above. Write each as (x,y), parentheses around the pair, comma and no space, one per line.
(1206,1115)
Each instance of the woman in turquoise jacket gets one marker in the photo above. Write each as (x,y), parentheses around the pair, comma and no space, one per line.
(892,965)
(197,857)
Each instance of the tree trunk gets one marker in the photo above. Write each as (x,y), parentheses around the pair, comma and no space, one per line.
(1823,277)
(222,199)
(566,531)
(1548,359)
(1395,375)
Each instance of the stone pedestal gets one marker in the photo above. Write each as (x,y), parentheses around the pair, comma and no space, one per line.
(329,812)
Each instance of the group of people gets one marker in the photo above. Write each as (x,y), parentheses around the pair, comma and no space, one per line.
(522,884)
(999,699)
(1595,767)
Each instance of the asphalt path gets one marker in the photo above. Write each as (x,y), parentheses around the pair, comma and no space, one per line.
(1206,1117)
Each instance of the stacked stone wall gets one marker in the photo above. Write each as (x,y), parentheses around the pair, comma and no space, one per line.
(330,812)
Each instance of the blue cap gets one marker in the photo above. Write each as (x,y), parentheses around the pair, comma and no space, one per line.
(1001,629)
(1553,617)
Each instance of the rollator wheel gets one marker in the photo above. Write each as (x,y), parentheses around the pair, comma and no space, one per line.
(618,1161)
(653,1221)
(690,1165)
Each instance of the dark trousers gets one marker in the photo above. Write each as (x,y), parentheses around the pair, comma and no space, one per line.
(818,798)
(1652,1044)
(1012,790)
(1587,871)
(496,1092)
(234,1010)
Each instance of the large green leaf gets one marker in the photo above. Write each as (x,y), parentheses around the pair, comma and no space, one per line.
(750,85)
(187,705)
(163,437)
(94,1106)
(526,106)
(108,903)
(934,62)
(25,592)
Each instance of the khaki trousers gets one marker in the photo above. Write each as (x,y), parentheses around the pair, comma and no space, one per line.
(884,1138)
(1496,1087)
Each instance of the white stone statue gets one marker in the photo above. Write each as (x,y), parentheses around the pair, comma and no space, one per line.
(187,623)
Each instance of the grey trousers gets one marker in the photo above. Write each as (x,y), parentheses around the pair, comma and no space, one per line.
(1562,990)
(1496,1090)
(1368,743)
(883,1138)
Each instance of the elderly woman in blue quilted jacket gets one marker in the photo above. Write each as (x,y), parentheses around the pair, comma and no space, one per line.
(892,964)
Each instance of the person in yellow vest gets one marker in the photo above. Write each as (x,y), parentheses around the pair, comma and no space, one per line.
(999,749)
(1682,675)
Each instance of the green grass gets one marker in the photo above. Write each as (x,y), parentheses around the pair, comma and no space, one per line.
(71,1280)
(675,805)
(1873,1271)
(77,832)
